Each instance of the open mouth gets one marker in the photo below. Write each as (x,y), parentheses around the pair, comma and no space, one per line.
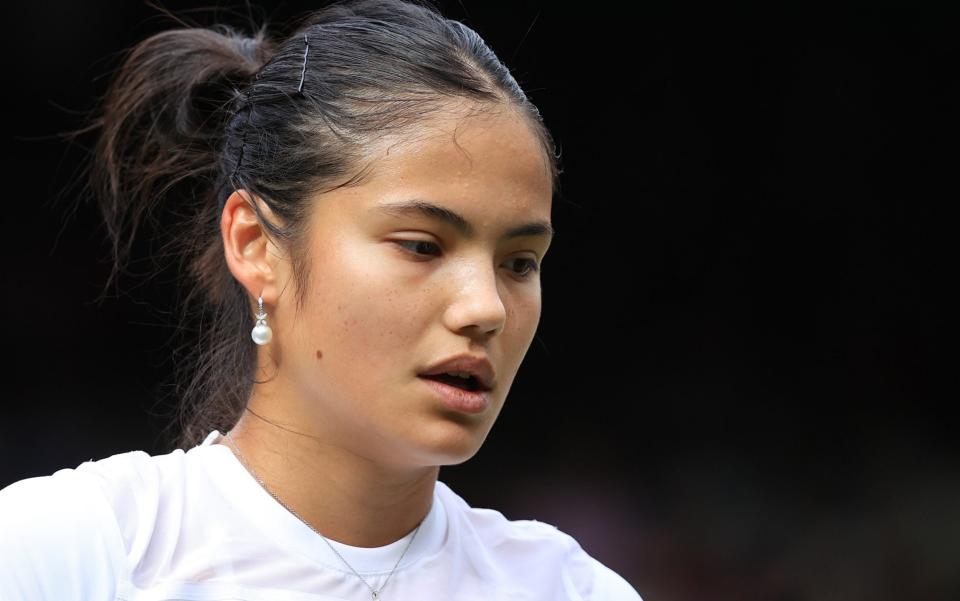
(462,383)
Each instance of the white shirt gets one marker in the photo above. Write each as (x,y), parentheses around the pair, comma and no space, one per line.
(197,526)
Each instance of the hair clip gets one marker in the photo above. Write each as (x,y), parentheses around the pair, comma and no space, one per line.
(303,70)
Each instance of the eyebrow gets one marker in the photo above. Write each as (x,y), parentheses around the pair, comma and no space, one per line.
(440,213)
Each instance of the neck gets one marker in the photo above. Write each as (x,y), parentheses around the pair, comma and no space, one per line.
(349,498)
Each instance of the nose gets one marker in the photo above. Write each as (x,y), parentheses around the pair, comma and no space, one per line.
(477,307)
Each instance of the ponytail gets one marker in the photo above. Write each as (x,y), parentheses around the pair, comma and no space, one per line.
(162,121)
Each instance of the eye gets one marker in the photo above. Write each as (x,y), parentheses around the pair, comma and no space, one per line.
(531,267)
(418,245)
(422,247)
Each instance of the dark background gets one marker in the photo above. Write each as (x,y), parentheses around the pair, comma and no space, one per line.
(740,385)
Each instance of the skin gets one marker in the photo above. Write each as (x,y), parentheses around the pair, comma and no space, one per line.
(359,438)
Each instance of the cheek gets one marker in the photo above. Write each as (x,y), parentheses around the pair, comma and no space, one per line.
(523,317)
(523,312)
(366,317)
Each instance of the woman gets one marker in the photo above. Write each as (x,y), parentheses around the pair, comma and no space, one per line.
(371,205)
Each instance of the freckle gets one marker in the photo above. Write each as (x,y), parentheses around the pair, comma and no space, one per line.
(319,354)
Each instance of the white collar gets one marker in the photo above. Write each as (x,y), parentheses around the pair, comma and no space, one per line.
(274,520)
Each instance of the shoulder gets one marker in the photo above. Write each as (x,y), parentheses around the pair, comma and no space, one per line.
(537,552)
(59,539)
(593,580)
(76,533)
(145,493)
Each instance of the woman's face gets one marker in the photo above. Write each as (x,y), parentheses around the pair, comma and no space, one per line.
(394,292)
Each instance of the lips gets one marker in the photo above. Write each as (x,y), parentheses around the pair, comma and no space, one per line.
(479,368)
(458,399)
(470,383)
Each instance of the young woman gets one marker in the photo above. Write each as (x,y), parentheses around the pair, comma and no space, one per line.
(371,203)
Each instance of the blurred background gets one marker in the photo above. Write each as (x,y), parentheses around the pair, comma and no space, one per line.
(740,386)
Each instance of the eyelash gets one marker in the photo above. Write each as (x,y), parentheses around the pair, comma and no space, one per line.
(534,267)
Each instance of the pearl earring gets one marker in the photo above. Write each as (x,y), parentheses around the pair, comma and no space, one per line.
(262,334)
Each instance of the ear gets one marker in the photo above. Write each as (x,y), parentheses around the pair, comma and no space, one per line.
(253,259)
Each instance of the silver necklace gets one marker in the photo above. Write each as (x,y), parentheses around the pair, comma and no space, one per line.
(375,594)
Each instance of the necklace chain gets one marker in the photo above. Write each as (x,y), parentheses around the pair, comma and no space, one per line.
(375,594)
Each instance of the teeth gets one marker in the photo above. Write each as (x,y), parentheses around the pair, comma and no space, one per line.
(459,374)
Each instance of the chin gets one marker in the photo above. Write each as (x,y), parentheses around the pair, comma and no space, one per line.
(450,447)
(458,459)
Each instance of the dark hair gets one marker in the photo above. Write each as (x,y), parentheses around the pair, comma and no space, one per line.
(194,113)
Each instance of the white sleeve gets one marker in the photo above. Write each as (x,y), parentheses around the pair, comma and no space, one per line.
(59,540)
(607,584)
(589,580)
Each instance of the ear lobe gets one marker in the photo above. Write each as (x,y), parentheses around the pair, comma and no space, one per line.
(250,254)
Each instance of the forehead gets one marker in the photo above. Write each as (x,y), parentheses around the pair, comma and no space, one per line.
(492,161)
